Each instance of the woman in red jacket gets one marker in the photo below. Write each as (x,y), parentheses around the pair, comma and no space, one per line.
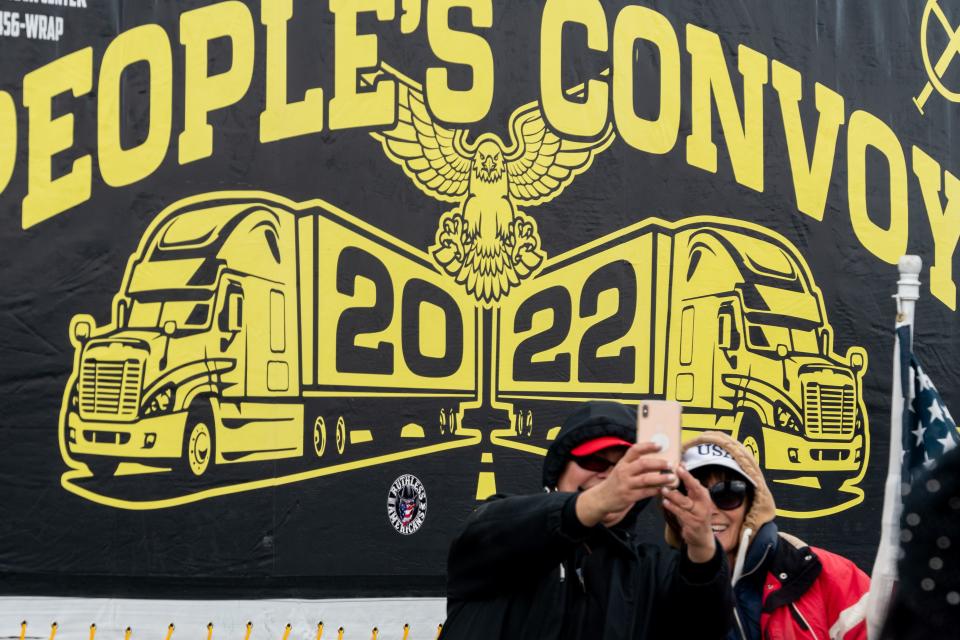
(784,588)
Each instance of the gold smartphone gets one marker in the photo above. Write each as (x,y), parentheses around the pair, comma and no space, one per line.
(658,421)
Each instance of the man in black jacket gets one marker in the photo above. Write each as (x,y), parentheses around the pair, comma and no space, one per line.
(566,563)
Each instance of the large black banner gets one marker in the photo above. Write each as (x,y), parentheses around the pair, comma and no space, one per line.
(289,286)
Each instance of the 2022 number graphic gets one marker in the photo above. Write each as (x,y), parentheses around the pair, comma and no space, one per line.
(354,263)
(619,276)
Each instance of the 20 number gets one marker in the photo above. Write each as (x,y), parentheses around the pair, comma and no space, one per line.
(354,263)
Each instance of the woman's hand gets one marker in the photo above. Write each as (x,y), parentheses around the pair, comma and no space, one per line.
(693,512)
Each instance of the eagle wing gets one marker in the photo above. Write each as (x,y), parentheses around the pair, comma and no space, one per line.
(431,155)
(543,163)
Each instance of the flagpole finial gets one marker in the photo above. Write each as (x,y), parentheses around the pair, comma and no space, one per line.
(910,265)
(908,286)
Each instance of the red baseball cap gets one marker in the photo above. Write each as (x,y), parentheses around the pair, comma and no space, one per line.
(598,444)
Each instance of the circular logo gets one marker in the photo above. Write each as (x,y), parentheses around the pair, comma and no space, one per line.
(407,504)
(937,69)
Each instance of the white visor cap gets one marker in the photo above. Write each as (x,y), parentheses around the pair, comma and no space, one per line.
(708,454)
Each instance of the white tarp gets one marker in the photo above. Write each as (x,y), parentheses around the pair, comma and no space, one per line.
(149,619)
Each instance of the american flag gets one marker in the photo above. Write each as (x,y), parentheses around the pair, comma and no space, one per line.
(929,430)
(406,505)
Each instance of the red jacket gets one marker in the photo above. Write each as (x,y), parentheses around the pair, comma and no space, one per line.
(811,593)
(807,593)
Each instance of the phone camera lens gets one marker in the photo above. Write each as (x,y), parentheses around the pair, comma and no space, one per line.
(645,410)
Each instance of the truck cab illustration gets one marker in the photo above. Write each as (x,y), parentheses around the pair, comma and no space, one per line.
(753,355)
(207,314)
(225,343)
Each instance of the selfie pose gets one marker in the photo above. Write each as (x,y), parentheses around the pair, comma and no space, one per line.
(566,562)
(783,587)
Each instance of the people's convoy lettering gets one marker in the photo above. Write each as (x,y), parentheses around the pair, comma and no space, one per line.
(354,97)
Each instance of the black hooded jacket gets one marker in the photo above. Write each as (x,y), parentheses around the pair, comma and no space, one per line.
(525,567)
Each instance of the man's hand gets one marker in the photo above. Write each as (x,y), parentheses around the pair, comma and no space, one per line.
(692,511)
(635,477)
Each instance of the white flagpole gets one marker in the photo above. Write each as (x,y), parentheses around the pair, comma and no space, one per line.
(884,574)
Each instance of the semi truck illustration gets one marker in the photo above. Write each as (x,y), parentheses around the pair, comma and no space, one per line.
(722,316)
(248,327)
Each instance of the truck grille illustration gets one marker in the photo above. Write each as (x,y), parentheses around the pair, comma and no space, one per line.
(829,411)
(110,389)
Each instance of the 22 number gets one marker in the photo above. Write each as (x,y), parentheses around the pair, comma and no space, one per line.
(592,367)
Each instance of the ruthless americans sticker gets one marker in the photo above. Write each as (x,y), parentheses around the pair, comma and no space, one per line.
(407,504)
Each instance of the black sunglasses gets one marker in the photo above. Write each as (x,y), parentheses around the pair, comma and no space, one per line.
(727,495)
(597,464)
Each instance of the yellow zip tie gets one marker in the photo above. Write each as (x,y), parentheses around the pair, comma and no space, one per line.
(53,630)
(340,633)
(439,629)
(375,634)
(169,631)
(209,630)
(286,632)
(406,631)
(319,629)
(249,629)
(23,630)
(126,634)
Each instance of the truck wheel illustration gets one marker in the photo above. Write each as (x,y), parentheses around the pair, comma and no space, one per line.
(318,436)
(523,422)
(341,434)
(750,435)
(448,421)
(198,442)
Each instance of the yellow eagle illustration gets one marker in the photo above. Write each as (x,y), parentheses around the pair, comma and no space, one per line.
(486,243)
